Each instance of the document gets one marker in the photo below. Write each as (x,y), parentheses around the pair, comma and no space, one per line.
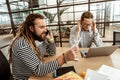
(112,73)
(104,73)
(94,75)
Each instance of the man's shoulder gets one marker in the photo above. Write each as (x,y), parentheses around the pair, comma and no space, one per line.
(74,28)
(21,39)
(21,42)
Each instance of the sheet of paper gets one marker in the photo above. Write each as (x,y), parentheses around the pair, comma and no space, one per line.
(112,73)
(94,75)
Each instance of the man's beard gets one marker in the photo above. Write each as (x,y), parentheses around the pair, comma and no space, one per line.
(36,37)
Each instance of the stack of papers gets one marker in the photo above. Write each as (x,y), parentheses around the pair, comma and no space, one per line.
(104,73)
(112,73)
(94,75)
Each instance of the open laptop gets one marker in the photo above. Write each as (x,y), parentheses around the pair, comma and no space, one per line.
(98,51)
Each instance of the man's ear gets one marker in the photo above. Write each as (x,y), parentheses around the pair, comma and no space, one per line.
(31,28)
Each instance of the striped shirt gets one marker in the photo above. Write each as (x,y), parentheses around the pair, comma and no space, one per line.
(85,38)
(25,61)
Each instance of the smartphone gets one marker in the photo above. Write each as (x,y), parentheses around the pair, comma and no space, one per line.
(63,70)
(47,32)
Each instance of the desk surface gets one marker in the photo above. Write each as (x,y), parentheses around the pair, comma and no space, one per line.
(84,63)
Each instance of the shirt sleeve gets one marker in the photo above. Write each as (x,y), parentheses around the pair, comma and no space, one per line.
(97,40)
(50,47)
(31,60)
(46,47)
(72,38)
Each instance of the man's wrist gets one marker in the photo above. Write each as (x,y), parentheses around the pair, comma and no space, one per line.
(60,60)
(95,34)
(51,40)
(64,58)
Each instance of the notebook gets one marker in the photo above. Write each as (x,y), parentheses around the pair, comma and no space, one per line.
(98,51)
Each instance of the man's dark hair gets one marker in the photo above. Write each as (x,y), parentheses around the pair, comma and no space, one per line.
(87,15)
(27,34)
(31,18)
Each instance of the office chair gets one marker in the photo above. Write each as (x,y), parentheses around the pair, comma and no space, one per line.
(5,73)
(116,37)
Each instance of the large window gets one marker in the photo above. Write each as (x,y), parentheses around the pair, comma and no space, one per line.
(61,15)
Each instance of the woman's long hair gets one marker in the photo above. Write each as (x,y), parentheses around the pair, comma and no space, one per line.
(26,33)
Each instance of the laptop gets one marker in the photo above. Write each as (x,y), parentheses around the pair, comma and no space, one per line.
(98,51)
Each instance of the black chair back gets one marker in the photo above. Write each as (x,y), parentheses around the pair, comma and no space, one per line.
(5,73)
(116,37)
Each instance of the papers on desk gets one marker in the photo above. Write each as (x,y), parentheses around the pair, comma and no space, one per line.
(104,73)
(94,75)
(112,73)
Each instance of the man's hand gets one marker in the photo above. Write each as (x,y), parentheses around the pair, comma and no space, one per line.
(78,28)
(67,56)
(50,37)
(71,53)
(94,27)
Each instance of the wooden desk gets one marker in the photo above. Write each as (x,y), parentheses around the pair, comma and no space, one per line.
(84,63)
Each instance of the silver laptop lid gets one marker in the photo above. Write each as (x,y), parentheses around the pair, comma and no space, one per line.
(101,51)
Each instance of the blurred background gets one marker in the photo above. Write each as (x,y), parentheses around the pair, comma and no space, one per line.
(60,16)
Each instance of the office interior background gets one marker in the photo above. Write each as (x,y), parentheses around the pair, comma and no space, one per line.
(60,16)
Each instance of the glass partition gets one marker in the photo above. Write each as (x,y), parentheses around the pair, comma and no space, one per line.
(61,14)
